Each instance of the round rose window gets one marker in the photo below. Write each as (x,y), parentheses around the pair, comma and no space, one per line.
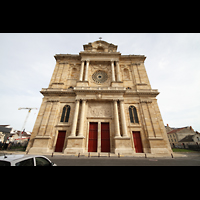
(100,76)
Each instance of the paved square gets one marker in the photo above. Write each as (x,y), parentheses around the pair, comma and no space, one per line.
(187,159)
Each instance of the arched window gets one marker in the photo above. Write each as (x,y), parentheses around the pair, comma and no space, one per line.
(65,114)
(133,115)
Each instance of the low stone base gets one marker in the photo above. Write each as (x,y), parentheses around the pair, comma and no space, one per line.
(74,145)
(39,150)
(160,151)
(73,151)
(40,145)
(122,146)
(125,151)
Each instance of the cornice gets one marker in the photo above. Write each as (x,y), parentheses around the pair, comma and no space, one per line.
(56,91)
(100,56)
(100,89)
(132,58)
(62,92)
(99,53)
(143,92)
(122,90)
(67,57)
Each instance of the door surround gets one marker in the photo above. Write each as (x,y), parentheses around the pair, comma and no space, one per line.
(99,134)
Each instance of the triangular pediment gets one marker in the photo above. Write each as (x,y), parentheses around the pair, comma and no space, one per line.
(100,46)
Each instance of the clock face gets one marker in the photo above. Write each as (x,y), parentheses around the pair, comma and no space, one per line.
(100,77)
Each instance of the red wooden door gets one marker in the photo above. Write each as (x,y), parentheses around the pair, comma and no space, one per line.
(60,141)
(137,142)
(93,132)
(105,137)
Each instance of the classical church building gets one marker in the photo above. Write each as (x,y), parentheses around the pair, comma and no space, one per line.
(99,101)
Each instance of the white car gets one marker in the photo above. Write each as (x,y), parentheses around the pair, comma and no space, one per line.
(25,160)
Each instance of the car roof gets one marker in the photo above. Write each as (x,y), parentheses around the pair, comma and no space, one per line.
(15,158)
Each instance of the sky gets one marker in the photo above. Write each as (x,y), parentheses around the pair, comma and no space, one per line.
(172,64)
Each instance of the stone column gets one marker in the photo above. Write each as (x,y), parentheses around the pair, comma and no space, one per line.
(73,131)
(116,118)
(113,71)
(118,71)
(86,70)
(81,71)
(82,118)
(123,119)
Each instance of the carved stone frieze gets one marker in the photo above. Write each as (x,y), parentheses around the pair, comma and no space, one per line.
(99,109)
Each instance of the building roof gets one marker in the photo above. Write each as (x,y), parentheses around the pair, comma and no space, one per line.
(5,130)
(18,133)
(176,130)
(188,138)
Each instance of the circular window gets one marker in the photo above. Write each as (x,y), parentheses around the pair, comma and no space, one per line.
(100,76)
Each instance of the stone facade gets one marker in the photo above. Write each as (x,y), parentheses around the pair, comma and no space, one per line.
(99,86)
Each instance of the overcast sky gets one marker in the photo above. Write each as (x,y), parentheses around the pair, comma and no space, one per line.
(173,67)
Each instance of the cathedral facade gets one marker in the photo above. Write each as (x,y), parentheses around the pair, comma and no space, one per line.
(99,101)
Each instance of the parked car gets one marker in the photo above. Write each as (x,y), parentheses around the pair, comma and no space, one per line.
(25,160)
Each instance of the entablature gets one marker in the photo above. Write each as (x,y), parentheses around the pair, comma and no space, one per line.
(100,56)
(143,92)
(65,57)
(56,91)
(100,89)
(133,58)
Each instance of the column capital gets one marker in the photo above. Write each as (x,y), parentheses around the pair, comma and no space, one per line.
(118,100)
(85,100)
(121,100)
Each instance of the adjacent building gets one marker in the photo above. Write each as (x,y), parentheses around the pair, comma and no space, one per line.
(178,136)
(5,132)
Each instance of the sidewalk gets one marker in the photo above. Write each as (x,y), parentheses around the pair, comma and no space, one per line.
(11,152)
(95,154)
